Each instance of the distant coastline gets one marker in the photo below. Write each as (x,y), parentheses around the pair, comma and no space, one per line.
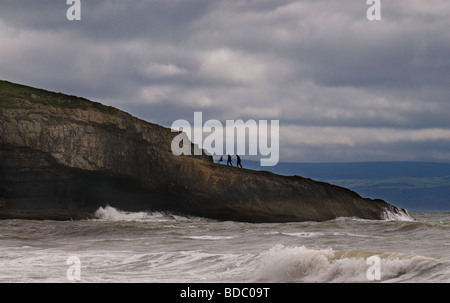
(421,186)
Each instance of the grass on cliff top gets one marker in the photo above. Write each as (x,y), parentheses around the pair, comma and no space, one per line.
(11,94)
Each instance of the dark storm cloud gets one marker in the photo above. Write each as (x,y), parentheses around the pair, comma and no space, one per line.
(107,19)
(343,87)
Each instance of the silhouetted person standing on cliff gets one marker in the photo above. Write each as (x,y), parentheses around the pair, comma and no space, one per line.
(229,161)
(238,161)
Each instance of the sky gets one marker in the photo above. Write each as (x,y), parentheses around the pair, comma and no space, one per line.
(343,88)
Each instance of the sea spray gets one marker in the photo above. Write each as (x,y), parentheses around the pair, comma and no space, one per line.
(112,214)
(396,216)
(109,213)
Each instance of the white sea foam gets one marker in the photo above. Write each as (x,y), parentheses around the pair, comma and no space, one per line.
(112,214)
(209,237)
(304,264)
(304,234)
(396,216)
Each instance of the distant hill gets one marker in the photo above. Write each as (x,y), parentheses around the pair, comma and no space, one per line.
(411,185)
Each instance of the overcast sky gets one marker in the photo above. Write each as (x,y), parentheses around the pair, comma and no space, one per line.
(343,88)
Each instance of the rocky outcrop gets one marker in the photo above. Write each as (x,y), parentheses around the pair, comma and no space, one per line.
(62,157)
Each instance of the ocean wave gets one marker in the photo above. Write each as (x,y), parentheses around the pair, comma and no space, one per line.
(387,215)
(209,237)
(304,234)
(304,264)
(285,264)
(110,213)
(396,216)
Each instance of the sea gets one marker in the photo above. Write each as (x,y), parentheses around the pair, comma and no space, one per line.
(156,247)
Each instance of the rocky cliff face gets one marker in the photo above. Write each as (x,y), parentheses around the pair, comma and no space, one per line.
(62,157)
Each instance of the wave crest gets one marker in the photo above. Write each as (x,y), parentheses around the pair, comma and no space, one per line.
(110,213)
(389,215)
(303,264)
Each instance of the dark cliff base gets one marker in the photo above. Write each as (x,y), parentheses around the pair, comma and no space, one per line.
(63,157)
(35,186)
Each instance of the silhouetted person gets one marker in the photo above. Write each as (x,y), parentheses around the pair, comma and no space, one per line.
(238,161)
(221,159)
(229,161)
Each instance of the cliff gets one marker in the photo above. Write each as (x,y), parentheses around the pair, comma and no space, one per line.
(62,157)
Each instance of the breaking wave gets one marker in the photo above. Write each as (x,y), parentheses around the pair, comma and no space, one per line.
(396,216)
(296,262)
(292,264)
(303,264)
(191,249)
(110,213)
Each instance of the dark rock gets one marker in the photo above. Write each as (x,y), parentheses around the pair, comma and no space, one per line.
(62,157)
